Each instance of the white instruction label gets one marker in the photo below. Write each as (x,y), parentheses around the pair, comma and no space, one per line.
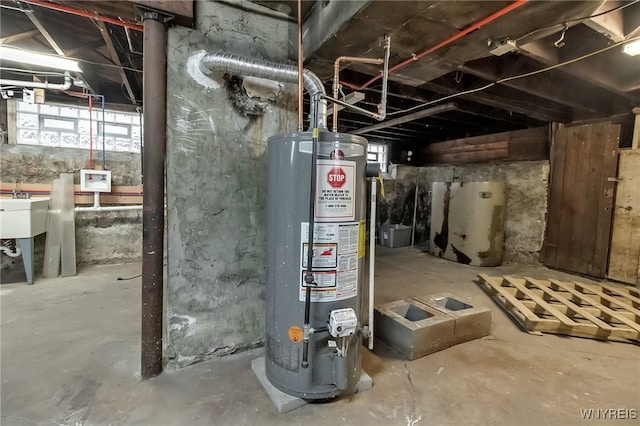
(335,261)
(336,190)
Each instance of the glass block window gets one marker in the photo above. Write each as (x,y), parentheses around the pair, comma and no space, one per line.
(69,127)
(377,153)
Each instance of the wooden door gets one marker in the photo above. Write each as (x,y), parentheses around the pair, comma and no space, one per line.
(624,259)
(583,170)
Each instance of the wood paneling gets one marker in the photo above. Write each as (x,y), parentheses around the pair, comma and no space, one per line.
(624,260)
(583,159)
(518,145)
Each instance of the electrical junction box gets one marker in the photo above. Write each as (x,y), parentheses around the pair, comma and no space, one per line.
(95,180)
(342,322)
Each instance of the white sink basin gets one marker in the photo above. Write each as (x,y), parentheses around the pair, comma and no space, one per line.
(23,218)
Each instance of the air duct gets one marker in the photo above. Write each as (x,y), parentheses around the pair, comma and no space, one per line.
(234,64)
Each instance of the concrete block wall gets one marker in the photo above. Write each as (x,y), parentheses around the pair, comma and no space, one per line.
(101,237)
(216,171)
(527,189)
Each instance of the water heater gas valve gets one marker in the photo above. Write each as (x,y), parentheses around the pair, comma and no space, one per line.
(342,322)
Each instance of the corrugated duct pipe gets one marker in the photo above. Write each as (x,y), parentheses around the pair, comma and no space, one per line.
(234,64)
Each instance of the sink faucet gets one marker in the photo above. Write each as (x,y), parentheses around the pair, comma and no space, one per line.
(17,194)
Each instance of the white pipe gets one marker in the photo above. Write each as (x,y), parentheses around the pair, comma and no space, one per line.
(415,211)
(635,139)
(10,253)
(372,257)
(107,208)
(39,85)
(96,200)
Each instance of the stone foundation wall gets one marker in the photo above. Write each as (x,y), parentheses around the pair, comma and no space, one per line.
(527,189)
(101,237)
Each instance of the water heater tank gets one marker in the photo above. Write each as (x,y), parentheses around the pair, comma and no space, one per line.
(338,262)
(467,222)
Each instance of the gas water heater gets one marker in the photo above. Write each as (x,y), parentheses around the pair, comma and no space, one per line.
(330,365)
(316,207)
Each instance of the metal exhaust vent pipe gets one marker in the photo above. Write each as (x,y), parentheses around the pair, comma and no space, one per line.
(234,64)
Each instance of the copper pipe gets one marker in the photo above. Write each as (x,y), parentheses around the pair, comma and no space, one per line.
(78,12)
(450,40)
(336,78)
(300,59)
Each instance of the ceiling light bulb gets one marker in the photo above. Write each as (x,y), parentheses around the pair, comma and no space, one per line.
(632,49)
(47,61)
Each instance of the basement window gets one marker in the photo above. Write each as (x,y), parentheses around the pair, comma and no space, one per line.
(70,127)
(377,153)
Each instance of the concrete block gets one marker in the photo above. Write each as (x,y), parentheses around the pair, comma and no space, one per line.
(285,402)
(471,322)
(413,328)
(365,382)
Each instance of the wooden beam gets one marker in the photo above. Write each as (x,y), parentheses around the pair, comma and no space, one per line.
(518,145)
(632,21)
(410,117)
(113,54)
(19,36)
(521,106)
(586,70)
(611,25)
(419,95)
(91,45)
(52,42)
(118,195)
(352,99)
(43,31)
(555,87)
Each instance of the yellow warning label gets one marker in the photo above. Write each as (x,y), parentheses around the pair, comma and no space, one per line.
(362,239)
(315,132)
(295,334)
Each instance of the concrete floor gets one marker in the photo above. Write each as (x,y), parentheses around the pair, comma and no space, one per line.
(70,356)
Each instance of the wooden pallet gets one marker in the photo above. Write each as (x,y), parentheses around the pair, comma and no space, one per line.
(602,311)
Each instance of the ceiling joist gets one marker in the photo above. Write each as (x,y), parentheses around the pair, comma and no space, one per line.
(113,54)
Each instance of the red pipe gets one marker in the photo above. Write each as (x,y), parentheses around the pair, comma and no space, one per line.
(78,12)
(450,40)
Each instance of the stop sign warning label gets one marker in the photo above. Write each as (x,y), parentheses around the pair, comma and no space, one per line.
(336,190)
(336,177)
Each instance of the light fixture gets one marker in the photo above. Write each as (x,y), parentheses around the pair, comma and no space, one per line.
(47,61)
(632,48)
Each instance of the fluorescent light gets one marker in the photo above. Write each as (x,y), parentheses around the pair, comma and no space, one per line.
(47,61)
(632,49)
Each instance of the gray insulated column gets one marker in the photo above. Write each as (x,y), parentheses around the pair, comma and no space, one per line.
(339,235)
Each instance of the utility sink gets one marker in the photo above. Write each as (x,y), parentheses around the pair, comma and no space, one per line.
(23,218)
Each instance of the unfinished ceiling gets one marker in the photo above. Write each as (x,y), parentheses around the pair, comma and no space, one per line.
(530,36)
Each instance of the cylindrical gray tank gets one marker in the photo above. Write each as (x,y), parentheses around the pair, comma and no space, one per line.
(340,211)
